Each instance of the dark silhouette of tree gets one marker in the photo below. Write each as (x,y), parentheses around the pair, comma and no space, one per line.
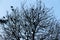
(13,25)
(30,24)
(35,19)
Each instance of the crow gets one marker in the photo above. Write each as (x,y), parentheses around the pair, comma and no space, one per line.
(11,6)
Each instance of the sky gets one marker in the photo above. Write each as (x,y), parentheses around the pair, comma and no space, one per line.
(5,6)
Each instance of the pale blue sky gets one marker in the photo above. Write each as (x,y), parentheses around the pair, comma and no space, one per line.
(5,5)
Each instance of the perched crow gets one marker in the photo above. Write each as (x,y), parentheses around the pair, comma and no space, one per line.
(32,9)
(11,6)
(12,9)
(11,19)
(3,17)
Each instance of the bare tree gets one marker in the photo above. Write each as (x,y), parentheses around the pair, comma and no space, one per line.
(30,24)
(13,25)
(35,19)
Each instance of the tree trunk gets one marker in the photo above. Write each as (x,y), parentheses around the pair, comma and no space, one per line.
(33,35)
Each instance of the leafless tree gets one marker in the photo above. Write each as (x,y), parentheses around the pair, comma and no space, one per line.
(12,31)
(36,19)
(31,24)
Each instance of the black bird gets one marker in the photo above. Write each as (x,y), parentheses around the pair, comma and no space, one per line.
(11,6)
(32,9)
(3,17)
(12,9)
